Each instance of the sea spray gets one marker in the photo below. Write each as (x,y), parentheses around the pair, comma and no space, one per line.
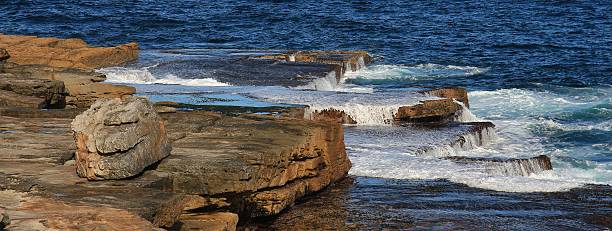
(144,76)
(465,115)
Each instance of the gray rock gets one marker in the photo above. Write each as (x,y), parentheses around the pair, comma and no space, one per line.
(118,138)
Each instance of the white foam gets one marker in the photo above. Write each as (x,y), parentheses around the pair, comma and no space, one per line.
(417,72)
(465,115)
(144,76)
(327,83)
(366,109)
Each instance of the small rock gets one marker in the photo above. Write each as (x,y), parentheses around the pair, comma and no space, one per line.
(4,220)
(4,55)
(69,163)
(118,138)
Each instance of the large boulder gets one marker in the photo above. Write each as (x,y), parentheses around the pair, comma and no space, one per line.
(118,138)
(32,93)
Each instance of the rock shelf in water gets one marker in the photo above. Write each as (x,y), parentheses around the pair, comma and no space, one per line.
(221,168)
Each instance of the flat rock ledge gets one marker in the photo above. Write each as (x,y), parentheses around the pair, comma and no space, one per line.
(220,169)
(33,61)
(64,53)
(118,138)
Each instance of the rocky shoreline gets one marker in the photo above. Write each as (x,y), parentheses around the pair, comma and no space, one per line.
(78,153)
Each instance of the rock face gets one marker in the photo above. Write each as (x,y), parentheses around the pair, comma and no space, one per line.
(64,53)
(510,166)
(343,60)
(441,110)
(456,93)
(260,165)
(118,138)
(36,186)
(83,87)
(33,93)
(70,61)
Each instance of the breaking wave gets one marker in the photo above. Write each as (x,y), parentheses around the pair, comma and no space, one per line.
(397,73)
(366,109)
(144,76)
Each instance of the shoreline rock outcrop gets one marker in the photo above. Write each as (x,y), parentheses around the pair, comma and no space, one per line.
(64,53)
(118,138)
(70,61)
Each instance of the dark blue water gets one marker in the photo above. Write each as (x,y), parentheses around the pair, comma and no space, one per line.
(540,70)
(554,42)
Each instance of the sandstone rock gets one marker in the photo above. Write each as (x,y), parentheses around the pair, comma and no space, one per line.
(11,99)
(72,53)
(457,93)
(82,86)
(35,93)
(509,166)
(213,221)
(232,155)
(5,220)
(441,110)
(118,138)
(333,115)
(84,95)
(4,55)
(343,60)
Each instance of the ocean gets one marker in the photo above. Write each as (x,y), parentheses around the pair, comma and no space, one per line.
(539,70)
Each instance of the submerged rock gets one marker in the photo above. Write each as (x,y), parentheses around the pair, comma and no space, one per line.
(509,166)
(118,138)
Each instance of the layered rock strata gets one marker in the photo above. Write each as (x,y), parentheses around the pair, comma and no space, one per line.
(40,189)
(33,93)
(246,161)
(70,61)
(509,166)
(240,165)
(118,138)
(64,53)
(343,61)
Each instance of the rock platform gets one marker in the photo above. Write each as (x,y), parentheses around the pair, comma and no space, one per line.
(32,61)
(223,170)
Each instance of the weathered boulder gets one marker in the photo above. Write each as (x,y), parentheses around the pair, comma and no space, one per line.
(27,92)
(118,138)
(72,53)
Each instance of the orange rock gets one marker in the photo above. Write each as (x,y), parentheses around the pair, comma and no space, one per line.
(457,93)
(438,110)
(65,53)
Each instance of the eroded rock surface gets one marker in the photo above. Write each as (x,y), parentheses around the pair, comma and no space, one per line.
(70,61)
(118,138)
(29,92)
(64,53)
